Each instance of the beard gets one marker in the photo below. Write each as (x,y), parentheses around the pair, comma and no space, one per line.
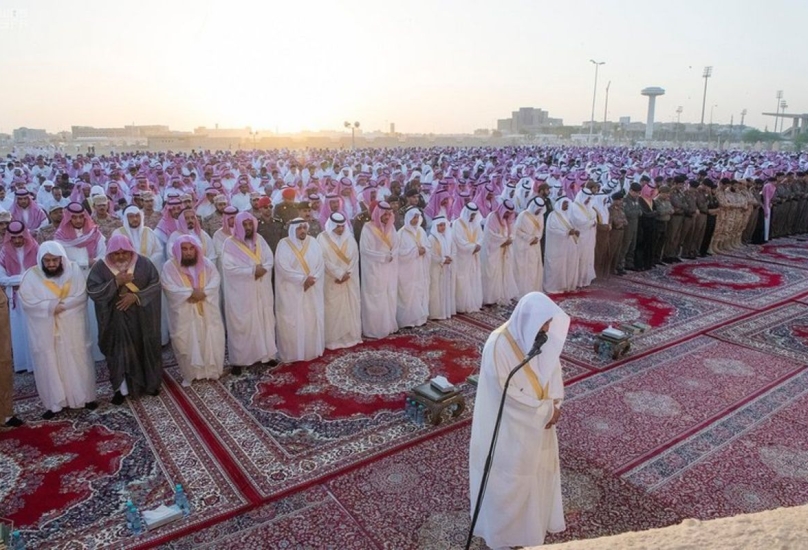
(53,273)
(248,233)
(188,262)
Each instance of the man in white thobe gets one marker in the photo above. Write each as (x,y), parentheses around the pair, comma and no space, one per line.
(413,271)
(498,263)
(249,304)
(527,246)
(84,245)
(585,220)
(442,294)
(467,234)
(561,257)
(188,224)
(54,296)
(522,499)
(300,308)
(378,250)
(343,317)
(18,253)
(191,285)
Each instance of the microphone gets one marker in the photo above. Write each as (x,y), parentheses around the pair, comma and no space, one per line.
(541,339)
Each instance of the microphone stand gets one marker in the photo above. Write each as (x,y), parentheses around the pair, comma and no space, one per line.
(489,459)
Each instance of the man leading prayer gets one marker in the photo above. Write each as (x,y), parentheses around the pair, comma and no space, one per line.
(522,499)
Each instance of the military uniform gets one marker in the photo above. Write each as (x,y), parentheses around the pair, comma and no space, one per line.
(618,223)
(151,220)
(673,237)
(46,233)
(272,231)
(107,225)
(286,212)
(709,227)
(664,210)
(632,211)
(314,227)
(699,225)
(211,224)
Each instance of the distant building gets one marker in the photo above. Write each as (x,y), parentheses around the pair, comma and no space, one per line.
(28,135)
(217,132)
(127,132)
(528,120)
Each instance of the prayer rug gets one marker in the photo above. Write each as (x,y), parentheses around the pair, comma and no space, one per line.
(789,252)
(672,317)
(744,283)
(297,423)
(65,481)
(754,459)
(782,331)
(417,499)
(627,415)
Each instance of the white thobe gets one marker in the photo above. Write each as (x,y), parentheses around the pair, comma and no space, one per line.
(413,278)
(81,257)
(197,330)
(343,318)
(300,313)
(560,254)
(469,285)
(527,247)
(64,371)
(499,283)
(23,361)
(585,220)
(249,304)
(442,294)
(379,267)
(522,500)
(241,201)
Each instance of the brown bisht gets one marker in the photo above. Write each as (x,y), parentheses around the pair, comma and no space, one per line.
(129,340)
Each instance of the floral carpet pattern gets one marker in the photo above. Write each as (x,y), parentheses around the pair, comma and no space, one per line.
(320,455)
(746,283)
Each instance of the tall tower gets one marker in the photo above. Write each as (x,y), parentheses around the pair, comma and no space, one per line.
(652,94)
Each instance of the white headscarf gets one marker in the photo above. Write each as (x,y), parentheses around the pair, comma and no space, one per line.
(529,315)
(411,213)
(537,206)
(134,234)
(293,225)
(334,220)
(54,249)
(444,238)
(465,215)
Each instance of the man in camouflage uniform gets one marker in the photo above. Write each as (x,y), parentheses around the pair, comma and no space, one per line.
(212,223)
(618,222)
(150,216)
(632,211)
(106,222)
(699,195)
(664,208)
(55,215)
(673,237)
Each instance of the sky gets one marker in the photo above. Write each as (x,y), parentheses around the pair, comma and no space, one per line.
(442,66)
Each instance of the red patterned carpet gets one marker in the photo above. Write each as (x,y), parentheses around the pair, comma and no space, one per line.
(705,418)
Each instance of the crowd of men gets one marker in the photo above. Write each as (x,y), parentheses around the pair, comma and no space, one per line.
(283,254)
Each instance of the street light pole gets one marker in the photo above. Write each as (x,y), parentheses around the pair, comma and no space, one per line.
(710,129)
(678,121)
(594,95)
(779,96)
(606,107)
(708,72)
